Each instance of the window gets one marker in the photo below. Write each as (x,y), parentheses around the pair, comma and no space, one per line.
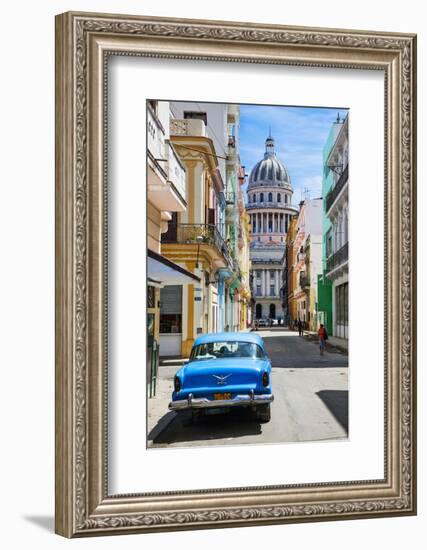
(261,197)
(229,350)
(328,243)
(198,115)
(151,296)
(170,323)
(270,197)
(286,199)
(279,197)
(171,309)
(272,290)
(254,197)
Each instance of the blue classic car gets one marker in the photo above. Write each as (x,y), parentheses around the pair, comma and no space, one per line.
(225,370)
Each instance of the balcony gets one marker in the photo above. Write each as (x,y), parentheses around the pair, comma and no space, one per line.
(197,234)
(187,127)
(166,174)
(336,190)
(166,181)
(236,268)
(336,260)
(155,135)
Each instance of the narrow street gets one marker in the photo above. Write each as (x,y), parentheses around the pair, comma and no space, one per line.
(311,401)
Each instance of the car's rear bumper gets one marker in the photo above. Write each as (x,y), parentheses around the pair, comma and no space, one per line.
(191,402)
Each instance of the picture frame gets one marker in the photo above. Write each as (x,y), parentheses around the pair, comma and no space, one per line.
(84,42)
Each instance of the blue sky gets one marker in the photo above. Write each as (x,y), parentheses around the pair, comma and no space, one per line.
(300,134)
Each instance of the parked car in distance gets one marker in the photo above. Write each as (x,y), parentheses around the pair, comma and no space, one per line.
(229,369)
(263,322)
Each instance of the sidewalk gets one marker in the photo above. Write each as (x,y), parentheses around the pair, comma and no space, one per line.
(339,343)
(159,416)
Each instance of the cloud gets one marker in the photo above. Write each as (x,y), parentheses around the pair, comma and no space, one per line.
(300,135)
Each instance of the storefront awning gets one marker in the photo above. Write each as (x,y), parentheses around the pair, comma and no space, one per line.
(161,271)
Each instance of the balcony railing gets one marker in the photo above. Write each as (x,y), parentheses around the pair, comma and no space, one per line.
(336,190)
(187,127)
(338,258)
(192,233)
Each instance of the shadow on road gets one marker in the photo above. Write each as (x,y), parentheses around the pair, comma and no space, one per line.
(235,423)
(288,350)
(337,402)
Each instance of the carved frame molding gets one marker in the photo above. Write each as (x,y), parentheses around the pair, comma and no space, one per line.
(83,44)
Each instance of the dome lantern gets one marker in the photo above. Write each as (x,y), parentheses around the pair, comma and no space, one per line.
(269,171)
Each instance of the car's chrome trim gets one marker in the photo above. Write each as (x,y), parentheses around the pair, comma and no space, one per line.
(203,403)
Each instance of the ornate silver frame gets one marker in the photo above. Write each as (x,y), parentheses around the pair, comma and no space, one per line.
(83,42)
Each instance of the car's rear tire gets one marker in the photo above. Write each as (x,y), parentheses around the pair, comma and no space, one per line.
(264,413)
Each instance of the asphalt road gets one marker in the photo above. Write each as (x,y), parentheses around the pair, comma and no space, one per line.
(311,401)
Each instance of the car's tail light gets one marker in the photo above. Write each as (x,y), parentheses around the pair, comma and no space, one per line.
(177,384)
(265,379)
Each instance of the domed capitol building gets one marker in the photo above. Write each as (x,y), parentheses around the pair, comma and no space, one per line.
(270,209)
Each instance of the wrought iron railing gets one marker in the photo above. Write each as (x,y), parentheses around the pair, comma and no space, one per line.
(195,233)
(336,190)
(338,258)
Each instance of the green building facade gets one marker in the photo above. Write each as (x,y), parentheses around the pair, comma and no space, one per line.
(324,285)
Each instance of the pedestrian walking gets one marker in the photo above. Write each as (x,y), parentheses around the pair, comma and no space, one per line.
(300,328)
(323,336)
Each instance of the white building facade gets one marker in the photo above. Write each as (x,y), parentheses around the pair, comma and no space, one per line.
(269,208)
(336,208)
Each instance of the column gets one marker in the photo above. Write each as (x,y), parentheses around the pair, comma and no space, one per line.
(262,282)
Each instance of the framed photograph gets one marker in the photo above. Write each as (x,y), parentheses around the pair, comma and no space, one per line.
(235,274)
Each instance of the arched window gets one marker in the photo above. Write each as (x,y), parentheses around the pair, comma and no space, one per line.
(270,197)
(286,199)
(261,197)
(279,197)
(254,197)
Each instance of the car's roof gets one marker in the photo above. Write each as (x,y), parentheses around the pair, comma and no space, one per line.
(250,337)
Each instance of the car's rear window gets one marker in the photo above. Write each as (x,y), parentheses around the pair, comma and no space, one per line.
(222,350)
